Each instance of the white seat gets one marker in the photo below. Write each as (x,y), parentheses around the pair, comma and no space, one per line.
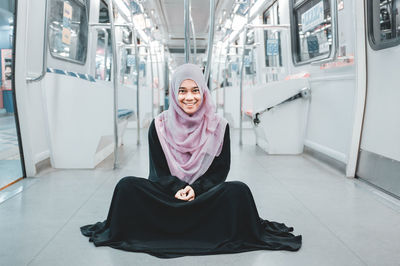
(282,123)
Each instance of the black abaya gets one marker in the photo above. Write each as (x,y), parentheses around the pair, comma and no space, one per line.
(146,217)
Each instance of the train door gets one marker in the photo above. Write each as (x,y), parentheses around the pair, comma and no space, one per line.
(379,157)
(11,164)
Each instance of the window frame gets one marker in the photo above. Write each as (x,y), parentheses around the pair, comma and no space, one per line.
(85,4)
(331,56)
(371,27)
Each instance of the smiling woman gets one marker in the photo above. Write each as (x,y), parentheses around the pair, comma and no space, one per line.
(185,207)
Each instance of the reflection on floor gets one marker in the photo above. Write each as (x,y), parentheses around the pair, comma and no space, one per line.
(10,165)
(343,221)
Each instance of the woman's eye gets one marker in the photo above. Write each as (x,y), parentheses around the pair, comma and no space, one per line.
(196,90)
(181,91)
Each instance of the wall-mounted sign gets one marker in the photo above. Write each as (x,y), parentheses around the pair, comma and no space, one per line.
(340,5)
(312,17)
(67,17)
(136,9)
(247,60)
(6,69)
(130,60)
(272,47)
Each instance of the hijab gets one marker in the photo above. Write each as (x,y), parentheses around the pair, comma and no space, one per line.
(190,142)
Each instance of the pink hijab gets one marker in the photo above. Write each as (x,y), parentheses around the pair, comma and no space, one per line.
(190,142)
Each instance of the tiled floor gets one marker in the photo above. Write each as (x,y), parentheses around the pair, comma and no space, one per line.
(343,221)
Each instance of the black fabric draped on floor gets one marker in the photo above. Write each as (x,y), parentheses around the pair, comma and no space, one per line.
(144,215)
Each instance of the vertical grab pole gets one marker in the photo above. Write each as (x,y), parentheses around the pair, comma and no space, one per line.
(115,80)
(210,40)
(158,81)
(152,80)
(193,35)
(137,61)
(187,30)
(217,90)
(225,78)
(105,51)
(241,75)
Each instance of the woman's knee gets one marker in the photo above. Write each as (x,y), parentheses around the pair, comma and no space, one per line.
(128,181)
(238,187)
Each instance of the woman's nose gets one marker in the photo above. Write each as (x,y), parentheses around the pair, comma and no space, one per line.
(189,96)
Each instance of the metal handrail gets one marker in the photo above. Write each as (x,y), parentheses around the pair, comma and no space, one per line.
(225,79)
(241,76)
(152,82)
(45,45)
(108,25)
(158,83)
(137,61)
(187,30)
(210,40)
(304,93)
(115,80)
(193,34)
(269,26)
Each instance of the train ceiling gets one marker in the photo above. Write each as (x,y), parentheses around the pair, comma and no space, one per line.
(168,19)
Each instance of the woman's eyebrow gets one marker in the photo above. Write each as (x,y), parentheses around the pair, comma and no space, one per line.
(185,88)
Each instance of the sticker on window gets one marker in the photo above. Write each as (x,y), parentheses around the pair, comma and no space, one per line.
(313,17)
(272,47)
(66,31)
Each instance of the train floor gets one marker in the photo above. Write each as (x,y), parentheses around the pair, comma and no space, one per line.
(343,221)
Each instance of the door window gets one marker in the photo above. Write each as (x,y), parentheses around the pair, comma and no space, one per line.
(383,23)
(68,30)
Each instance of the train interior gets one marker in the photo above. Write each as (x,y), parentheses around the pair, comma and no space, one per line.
(309,88)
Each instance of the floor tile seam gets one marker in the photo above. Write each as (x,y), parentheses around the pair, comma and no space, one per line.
(69,219)
(365,187)
(317,218)
(24,189)
(378,196)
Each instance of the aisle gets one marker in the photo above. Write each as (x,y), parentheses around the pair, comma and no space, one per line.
(343,221)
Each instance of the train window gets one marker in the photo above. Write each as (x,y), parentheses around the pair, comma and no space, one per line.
(103,55)
(311,30)
(68,30)
(104,46)
(383,23)
(272,39)
(249,54)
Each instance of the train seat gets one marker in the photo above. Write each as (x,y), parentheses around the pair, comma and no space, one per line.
(280,112)
(125,113)
(79,115)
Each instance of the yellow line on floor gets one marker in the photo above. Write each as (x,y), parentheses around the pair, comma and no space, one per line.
(6,186)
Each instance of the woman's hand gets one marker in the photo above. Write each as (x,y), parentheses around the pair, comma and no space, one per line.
(186,194)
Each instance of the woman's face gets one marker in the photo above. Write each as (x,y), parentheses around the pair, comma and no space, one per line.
(189,96)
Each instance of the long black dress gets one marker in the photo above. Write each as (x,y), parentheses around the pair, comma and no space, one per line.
(145,216)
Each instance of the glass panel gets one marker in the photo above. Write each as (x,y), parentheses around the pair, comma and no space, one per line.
(272,39)
(10,160)
(104,47)
(249,63)
(313,30)
(386,22)
(68,30)
(103,55)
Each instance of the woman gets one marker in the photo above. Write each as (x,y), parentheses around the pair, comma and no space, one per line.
(185,207)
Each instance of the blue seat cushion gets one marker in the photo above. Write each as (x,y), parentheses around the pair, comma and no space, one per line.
(124,113)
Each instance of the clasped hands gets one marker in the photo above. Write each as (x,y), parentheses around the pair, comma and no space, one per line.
(186,194)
